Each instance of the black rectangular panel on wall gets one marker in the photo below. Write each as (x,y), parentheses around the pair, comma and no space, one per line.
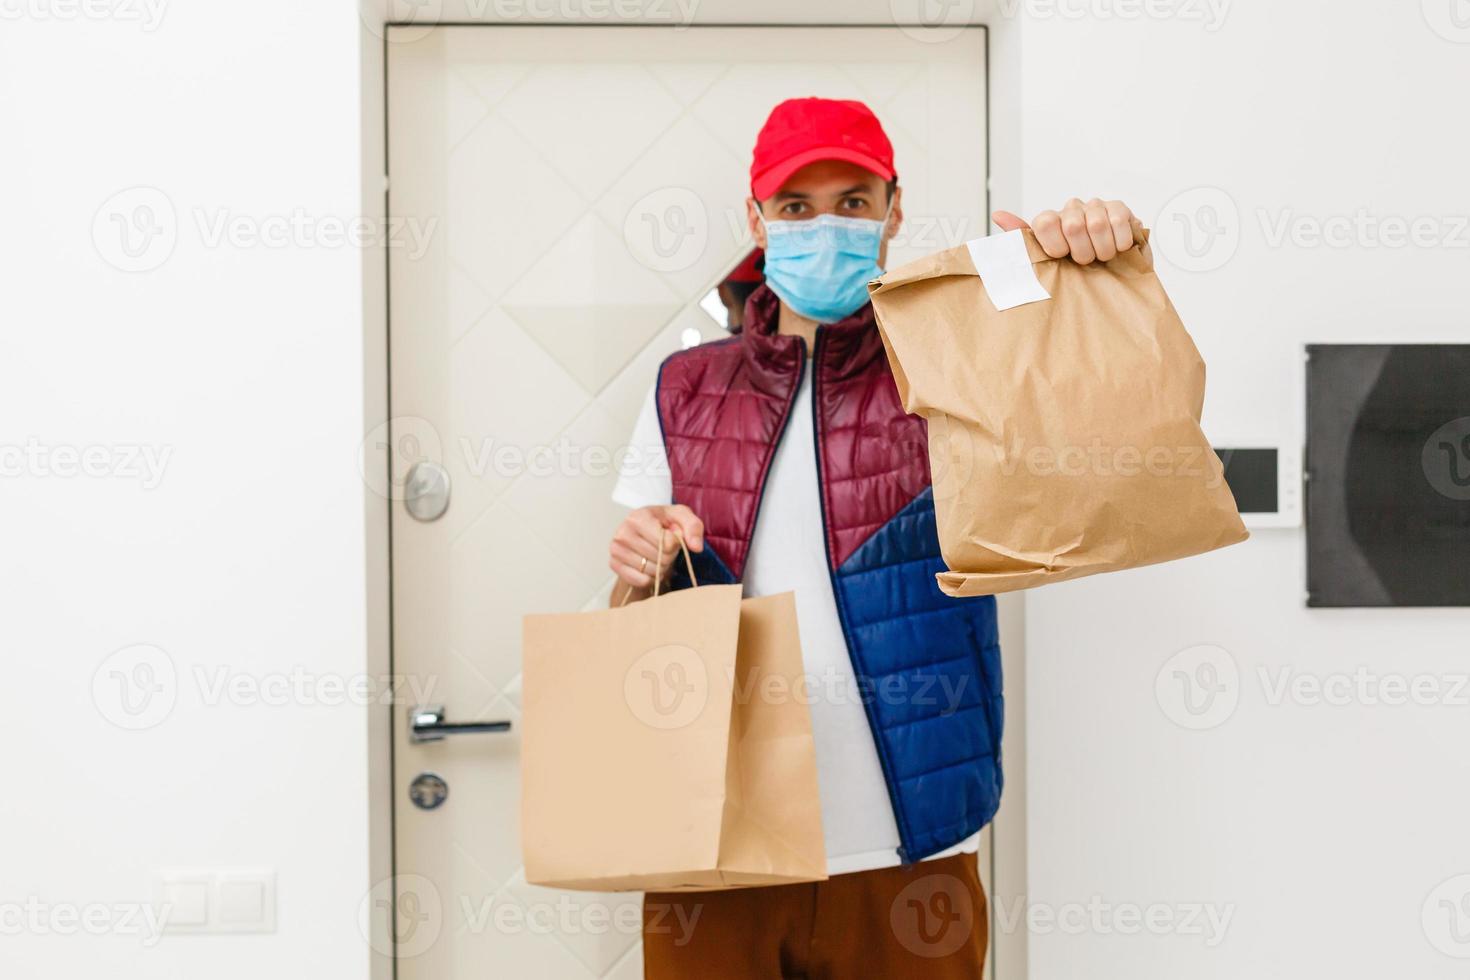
(1251,475)
(1388,475)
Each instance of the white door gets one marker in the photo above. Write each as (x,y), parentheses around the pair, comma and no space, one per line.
(573,194)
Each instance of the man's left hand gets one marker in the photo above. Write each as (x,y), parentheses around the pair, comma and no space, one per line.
(1095,230)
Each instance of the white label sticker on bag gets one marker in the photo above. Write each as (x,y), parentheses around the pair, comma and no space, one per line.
(1005,270)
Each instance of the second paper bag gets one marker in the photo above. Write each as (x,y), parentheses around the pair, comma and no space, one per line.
(666,747)
(1064,435)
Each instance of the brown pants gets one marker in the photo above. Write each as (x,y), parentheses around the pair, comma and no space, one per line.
(922,920)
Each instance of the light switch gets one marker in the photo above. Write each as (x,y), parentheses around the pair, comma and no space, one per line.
(234,900)
(185,896)
(246,901)
(240,902)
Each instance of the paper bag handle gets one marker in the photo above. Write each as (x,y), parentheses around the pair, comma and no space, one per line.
(688,561)
(658,568)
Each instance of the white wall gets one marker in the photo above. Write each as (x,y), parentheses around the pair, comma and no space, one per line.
(1322,828)
(244,363)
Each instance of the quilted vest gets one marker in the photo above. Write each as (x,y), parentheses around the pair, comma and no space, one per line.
(927,666)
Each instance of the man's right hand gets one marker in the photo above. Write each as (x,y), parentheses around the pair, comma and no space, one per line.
(634,552)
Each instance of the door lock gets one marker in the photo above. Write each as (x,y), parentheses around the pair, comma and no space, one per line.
(428,790)
(426,494)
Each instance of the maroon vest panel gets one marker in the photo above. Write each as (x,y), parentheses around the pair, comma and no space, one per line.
(724,405)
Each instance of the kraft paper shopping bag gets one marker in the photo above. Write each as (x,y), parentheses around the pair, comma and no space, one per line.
(1063,404)
(667,746)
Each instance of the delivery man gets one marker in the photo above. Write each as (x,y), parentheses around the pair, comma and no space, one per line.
(791,466)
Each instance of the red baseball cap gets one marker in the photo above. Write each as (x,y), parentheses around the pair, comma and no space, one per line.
(749,269)
(803,131)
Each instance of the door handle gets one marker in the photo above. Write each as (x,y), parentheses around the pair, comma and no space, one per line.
(426,724)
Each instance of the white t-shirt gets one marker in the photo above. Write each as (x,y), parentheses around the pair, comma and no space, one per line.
(788,554)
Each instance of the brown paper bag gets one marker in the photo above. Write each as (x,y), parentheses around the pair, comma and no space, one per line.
(1064,434)
(665,746)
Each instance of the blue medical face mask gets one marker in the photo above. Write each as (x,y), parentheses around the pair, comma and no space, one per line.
(820,267)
